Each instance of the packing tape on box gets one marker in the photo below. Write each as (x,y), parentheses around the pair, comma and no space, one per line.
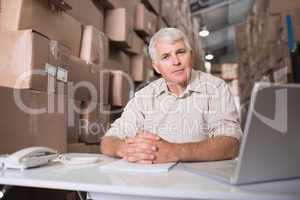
(50,70)
(62,74)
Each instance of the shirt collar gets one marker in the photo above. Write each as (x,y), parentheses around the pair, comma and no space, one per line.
(194,84)
(161,87)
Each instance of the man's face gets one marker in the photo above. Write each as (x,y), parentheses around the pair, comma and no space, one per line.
(173,61)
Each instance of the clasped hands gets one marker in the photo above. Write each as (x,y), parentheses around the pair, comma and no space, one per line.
(147,148)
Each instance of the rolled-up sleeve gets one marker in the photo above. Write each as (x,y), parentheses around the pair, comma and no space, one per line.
(130,122)
(223,118)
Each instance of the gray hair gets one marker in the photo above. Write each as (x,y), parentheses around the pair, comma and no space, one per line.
(167,35)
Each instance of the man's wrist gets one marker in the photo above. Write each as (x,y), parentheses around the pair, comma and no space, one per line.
(177,152)
(120,148)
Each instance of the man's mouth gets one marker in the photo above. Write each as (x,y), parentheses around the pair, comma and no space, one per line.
(178,70)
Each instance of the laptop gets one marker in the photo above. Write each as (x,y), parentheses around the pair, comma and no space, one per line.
(270,148)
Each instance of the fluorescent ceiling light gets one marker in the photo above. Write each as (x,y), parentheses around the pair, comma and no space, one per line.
(209,56)
(204,32)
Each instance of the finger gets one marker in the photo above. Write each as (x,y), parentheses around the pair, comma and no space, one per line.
(131,150)
(140,149)
(131,159)
(144,156)
(142,145)
(145,146)
(129,140)
(145,161)
(141,140)
(140,158)
(148,135)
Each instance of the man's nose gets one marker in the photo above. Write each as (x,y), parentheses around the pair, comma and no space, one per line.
(175,60)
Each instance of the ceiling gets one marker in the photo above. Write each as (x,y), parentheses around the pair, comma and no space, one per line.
(220,16)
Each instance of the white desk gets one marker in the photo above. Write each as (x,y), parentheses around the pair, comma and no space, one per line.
(176,184)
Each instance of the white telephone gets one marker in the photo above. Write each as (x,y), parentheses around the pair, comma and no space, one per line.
(30,157)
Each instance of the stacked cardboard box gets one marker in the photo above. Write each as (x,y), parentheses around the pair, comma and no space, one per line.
(122,33)
(41,58)
(32,118)
(167,11)
(145,21)
(198,51)
(93,122)
(30,14)
(178,14)
(262,46)
(153,5)
(229,71)
(87,13)
(139,67)
(88,59)
(94,47)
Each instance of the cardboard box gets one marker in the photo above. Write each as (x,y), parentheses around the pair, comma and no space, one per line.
(167,12)
(260,7)
(240,34)
(83,81)
(137,45)
(162,23)
(153,5)
(128,5)
(273,28)
(104,84)
(278,6)
(94,122)
(27,51)
(89,129)
(120,88)
(277,54)
(145,22)
(295,15)
(282,75)
(95,16)
(37,15)
(106,4)
(36,119)
(94,47)
(139,65)
(118,3)
(118,60)
(229,71)
(30,61)
(104,116)
(121,35)
(74,115)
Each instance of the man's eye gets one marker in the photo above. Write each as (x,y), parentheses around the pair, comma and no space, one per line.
(181,52)
(165,57)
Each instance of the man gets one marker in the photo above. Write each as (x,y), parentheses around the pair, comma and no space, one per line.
(186,115)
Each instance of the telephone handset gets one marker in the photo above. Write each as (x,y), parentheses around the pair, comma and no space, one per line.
(30,157)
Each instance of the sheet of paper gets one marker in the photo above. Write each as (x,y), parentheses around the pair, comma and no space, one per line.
(123,165)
